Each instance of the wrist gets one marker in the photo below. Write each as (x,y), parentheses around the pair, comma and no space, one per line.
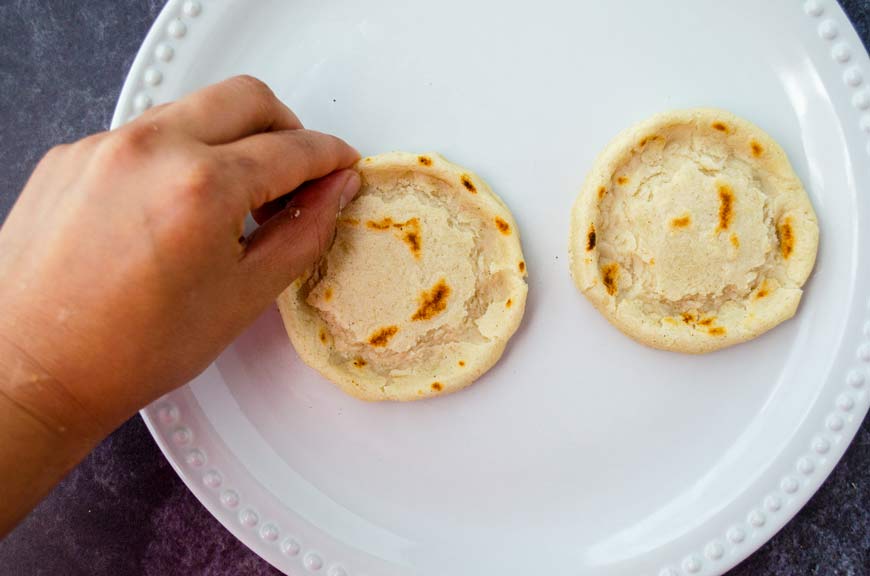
(29,389)
(44,435)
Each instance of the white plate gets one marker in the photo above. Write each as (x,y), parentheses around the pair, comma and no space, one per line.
(581,452)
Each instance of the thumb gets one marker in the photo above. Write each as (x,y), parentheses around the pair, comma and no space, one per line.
(293,240)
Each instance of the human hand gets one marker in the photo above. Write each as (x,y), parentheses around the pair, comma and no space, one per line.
(125,271)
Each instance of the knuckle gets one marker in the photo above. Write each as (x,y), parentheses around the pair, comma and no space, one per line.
(126,144)
(261,96)
(255,85)
(55,156)
(336,148)
(198,180)
(256,183)
(246,163)
(92,140)
(55,153)
(308,148)
(89,144)
(79,151)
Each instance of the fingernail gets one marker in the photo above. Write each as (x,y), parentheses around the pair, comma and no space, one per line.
(349,189)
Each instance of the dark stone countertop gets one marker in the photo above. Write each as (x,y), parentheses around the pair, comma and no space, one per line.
(123,510)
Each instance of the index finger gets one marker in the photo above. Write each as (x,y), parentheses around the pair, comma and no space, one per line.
(228,111)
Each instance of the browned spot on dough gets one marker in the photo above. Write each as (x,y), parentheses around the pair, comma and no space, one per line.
(669,320)
(652,261)
(721,127)
(502,226)
(381,336)
(622,180)
(384,224)
(610,277)
(323,335)
(469,185)
(368,159)
(601,192)
(763,290)
(327,294)
(409,232)
(349,221)
(359,362)
(735,241)
(694,320)
(726,207)
(757,149)
(647,139)
(411,236)
(424,160)
(437,386)
(412,239)
(590,238)
(433,302)
(681,222)
(785,233)
(461,363)
(508,303)
(522,266)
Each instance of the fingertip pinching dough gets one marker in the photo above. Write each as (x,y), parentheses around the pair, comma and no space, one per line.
(692,232)
(422,288)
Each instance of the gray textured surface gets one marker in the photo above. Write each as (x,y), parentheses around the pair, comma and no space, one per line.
(124,511)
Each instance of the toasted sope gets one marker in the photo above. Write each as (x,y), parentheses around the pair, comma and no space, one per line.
(421,289)
(692,232)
